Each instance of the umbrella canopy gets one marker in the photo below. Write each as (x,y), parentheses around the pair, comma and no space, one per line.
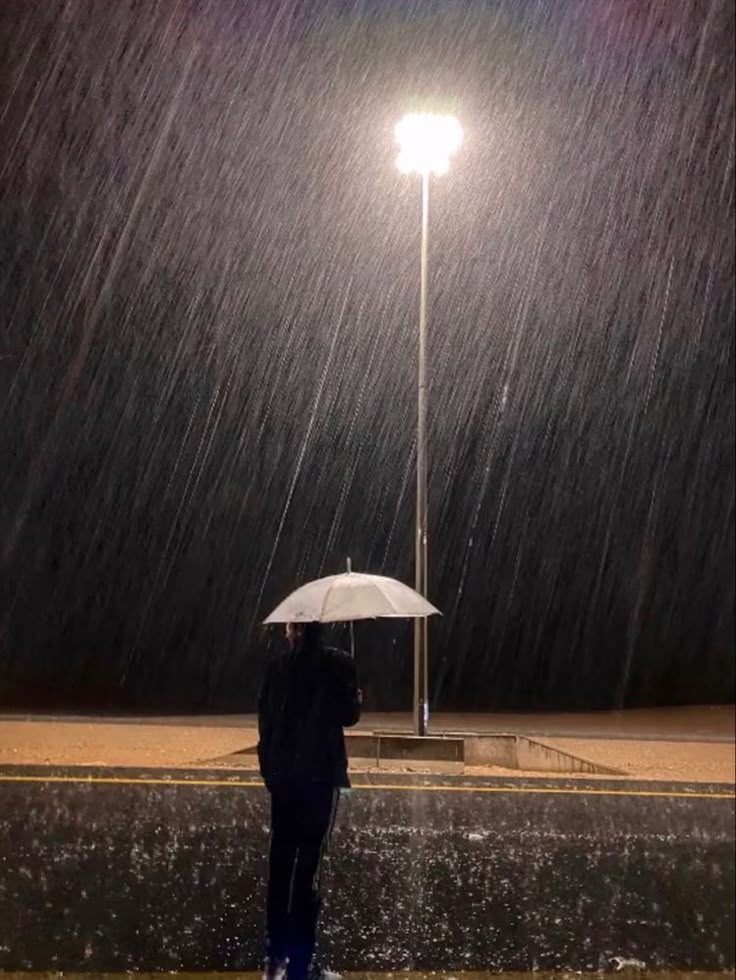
(350,596)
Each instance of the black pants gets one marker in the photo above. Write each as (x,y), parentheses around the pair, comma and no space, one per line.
(301,823)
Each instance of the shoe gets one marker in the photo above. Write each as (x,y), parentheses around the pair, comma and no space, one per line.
(316,973)
(275,969)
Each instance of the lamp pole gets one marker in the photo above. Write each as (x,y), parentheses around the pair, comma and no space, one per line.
(426,144)
(421,700)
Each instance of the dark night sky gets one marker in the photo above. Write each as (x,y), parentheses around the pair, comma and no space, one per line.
(208,301)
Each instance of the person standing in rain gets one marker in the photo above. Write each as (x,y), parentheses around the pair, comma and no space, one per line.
(310,693)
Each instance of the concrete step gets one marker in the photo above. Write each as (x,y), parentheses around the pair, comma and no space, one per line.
(505,751)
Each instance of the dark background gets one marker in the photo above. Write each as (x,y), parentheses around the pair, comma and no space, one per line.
(208,302)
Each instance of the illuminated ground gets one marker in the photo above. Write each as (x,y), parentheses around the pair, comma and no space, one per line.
(440,975)
(688,744)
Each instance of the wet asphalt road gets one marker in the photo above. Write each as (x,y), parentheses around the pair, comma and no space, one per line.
(108,870)
(372,975)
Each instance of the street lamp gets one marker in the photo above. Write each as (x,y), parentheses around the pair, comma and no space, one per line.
(426,143)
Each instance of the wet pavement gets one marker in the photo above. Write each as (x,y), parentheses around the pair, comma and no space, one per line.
(209,743)
(113,870)
(408,975)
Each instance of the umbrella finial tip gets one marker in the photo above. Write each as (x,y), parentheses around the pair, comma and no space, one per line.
(350,565)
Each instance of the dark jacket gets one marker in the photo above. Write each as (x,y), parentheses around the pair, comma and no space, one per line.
(308,695)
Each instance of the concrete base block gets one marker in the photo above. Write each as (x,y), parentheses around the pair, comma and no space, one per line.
(404,748)
(494,750)
(511,752)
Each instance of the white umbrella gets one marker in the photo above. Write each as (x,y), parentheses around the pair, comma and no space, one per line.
(350,596)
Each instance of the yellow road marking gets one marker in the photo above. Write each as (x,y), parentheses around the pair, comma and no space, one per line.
(397,787)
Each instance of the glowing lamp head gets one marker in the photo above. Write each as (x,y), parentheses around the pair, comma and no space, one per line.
(426,143)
